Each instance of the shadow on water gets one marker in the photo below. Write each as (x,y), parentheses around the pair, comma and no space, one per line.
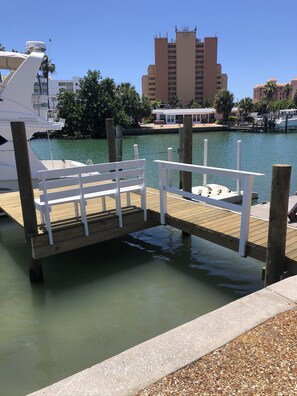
(194,257)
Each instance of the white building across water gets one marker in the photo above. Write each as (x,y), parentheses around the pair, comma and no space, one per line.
(199,116)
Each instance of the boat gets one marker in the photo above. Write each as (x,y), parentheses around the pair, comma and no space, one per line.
(287,120)
(221,193)
(19,103)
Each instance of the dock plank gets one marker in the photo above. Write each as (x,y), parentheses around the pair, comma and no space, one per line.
(217,225)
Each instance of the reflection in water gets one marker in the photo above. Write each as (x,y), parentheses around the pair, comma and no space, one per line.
(100,300)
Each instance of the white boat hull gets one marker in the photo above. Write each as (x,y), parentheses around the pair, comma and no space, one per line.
(18,104)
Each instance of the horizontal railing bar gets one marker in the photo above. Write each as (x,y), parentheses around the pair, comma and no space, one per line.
(207,169)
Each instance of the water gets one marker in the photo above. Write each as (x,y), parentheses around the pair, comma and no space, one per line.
(259,152)
(103,299)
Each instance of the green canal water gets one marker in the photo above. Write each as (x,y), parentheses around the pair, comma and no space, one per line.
(100,300)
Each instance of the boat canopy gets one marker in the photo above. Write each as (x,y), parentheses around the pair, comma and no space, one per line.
(11,60)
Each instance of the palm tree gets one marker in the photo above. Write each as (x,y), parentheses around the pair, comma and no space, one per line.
(223,103)
(175,102)
(270,90)
(46,68)
(245,106)
(287,90)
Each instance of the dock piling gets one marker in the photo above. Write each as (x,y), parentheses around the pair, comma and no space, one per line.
(26,196)
(110,135)
(119,143)
(277,230)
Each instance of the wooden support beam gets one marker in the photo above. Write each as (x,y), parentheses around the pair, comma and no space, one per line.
(277,232)
(110,135)
(26,195)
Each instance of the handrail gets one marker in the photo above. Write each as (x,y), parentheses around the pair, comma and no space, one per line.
(247,178)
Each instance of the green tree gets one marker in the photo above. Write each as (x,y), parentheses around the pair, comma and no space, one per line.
(223,103)
(146,109)
(206,103)
(270,90)
(97,99)
(175,102)
(193,105)
(133,106)
(47,67)
(295,98)
(261,106)
(154,104)
(287,90)
(276,105)
(245,107)
(70,110)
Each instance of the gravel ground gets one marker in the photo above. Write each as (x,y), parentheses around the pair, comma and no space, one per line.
(262,361)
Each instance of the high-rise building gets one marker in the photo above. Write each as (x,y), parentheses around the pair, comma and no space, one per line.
(186,68)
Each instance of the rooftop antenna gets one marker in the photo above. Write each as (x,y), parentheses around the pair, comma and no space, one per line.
(49,45)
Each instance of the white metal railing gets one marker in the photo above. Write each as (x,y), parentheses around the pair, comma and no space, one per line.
(247,179)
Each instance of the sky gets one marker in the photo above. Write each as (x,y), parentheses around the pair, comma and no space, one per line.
(257,40)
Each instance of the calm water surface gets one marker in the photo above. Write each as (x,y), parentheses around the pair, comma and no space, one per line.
(101,300)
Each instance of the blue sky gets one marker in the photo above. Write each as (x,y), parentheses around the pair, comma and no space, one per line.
(257,39)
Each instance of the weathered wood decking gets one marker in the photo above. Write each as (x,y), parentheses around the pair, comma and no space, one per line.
(217,225)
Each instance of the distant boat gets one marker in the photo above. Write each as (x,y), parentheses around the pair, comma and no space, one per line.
(287,120)
(19,103)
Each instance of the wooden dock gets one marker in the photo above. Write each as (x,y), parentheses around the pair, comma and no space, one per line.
(216,225)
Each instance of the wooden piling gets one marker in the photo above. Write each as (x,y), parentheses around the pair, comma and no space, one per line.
(277,231)
(26,195)
(187,151)
(110,135)
(119,143)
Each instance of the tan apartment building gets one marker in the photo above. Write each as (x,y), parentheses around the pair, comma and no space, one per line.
(185,67)
(284,91)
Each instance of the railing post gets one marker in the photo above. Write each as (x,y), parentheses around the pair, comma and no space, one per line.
(205,154)
(187,152)
(136,153)
(276,246)
(181,150)
(245,213)
(238,164)
(162,188)
(169,170)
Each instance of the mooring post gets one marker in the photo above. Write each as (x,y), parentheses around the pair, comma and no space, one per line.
(110,135)
(26,195)
(119,143)
(277,232)
(187,152)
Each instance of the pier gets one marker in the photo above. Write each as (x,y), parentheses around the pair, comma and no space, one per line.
(128,205)
(217,225)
